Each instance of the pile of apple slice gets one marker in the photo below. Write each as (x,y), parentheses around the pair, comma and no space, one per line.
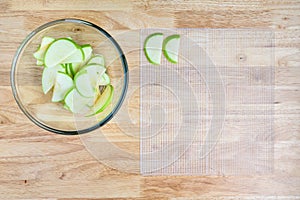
(77,76)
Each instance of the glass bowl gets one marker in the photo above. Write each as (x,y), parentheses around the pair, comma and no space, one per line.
(27,84)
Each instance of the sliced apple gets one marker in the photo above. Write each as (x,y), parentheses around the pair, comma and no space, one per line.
(87,50)
(64,60)
(103,100)
(153,47)
(39,54)
(86,79)
(83,84)
(94,71)
(49,77)
(171,48)
(63,50)
(63,84)
(77,103)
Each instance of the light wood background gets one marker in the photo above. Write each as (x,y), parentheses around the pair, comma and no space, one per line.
(36,164)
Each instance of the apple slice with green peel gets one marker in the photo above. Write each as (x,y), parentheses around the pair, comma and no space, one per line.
(97,59)
(86,79)
(153,47)
(94,71)
(103,100)
(87,50)
(77,103)
(83,84)
(63,84)
(49,77)
(104,80)
(39,54)
(171,48)
(62,50)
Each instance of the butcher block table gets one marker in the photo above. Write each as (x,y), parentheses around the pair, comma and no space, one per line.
(36,164)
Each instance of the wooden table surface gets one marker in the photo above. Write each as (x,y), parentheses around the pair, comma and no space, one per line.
(36,164)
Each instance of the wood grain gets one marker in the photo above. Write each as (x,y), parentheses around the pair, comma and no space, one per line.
(36,164)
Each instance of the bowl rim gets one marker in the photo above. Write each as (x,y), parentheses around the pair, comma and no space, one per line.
(44,126)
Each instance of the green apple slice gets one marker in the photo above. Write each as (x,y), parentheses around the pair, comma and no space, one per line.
(103,100)
(83,84)
(104,80)
(153,47)
(77,103)
(39,54)
(62,50)
(87,78)
(87,50)
(171,48)
(97,59)
(49,77)
(94,71)
(63,84)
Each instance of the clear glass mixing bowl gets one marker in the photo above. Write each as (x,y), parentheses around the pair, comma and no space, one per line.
(27,84)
